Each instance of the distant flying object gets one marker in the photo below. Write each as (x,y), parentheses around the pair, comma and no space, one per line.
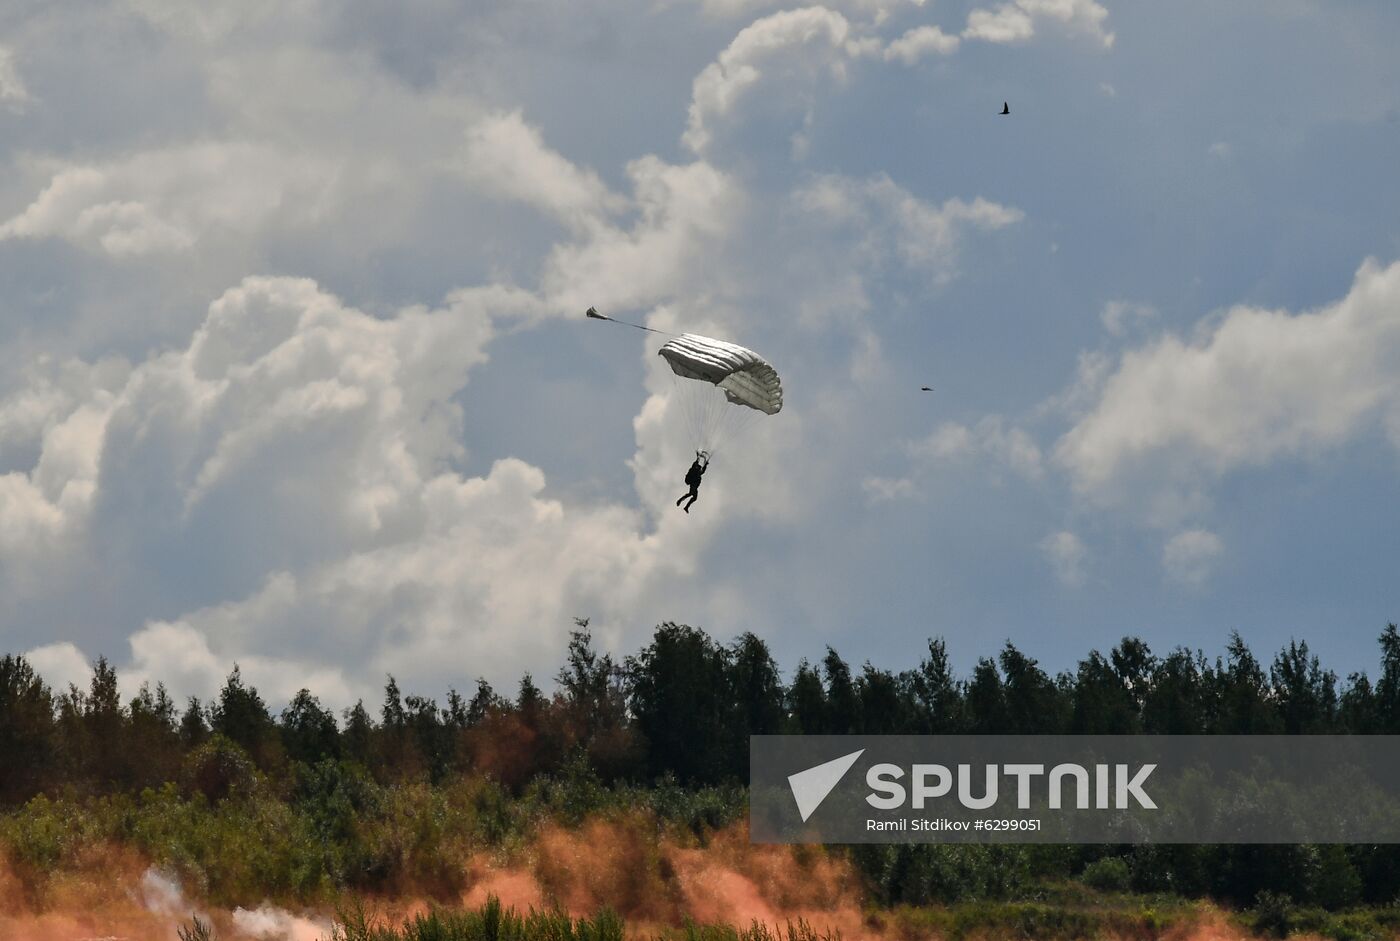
(1005,108)
(925,388)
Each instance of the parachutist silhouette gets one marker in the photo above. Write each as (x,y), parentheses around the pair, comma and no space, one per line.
(1005,108)
(693,478)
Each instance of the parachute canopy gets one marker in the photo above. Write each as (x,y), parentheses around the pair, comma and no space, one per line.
(745,377)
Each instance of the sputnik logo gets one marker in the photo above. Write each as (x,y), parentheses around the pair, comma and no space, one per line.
(810,787)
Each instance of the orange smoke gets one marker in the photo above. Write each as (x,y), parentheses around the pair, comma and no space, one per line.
(655,879)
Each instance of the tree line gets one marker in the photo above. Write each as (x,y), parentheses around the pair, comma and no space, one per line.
(681,708)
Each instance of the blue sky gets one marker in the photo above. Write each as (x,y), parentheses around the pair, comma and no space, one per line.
(293,371)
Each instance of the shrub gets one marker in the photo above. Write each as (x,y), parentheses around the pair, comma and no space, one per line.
(220,768)
(197,930)
(1273,914)
(1109,874)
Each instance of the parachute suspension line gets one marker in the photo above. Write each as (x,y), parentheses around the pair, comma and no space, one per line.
(592,314)
(719,418)
(712,406)
(734,422)
(710,419)
(740,423)
(718,387)
(699,410)
(695,403)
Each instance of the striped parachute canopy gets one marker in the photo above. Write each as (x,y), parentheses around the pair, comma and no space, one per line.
(746,378)
(713,376)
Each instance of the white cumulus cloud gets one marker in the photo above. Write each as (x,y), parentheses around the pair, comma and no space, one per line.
(299,455)
(1017,21)
(13,94)
(682,216)
(164,201)
(991,443)
(1067,556)
(1119,317)
(1189,557)
(919,42)
(878,10)
(508,158)
(1247,389)
(888,220)
(61,665)
(808,42)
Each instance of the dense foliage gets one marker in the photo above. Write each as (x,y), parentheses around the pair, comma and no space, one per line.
(300,802)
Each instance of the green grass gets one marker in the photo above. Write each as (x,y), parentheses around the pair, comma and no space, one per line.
(1039,920)
(1121,916)
(494,922)
(1275,916)
(490,922)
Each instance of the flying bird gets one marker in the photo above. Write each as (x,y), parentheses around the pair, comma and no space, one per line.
(925,388)
(1005,108)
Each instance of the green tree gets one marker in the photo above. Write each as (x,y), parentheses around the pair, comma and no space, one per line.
(1102,703)
(433,741)
(1034,704)
(1305,695)
(106,758)
(682,704)
(593,708)
(530,704)
(986,700)
(1387,689)
(1135,665)
(758,698)
(396,756)
(586,681)
(358,737)
(883,710)
(1242,696)
(939,708)
(1356,708)
(309,732)
(241,716)
(153,740)
(1174,703)
(842,702)
(806,701)
(27,732)
(194,727)
(528,697)
(455,715)
(484,702)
